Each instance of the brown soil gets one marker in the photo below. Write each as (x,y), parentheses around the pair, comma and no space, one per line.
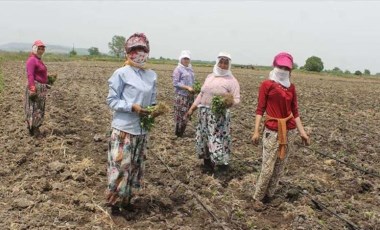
(58,180)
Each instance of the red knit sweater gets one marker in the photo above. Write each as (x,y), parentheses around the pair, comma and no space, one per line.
(278,102)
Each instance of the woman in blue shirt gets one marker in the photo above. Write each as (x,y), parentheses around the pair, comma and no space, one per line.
(131,89)
(183,80)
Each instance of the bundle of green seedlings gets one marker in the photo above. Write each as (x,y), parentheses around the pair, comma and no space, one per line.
(147,122)
(33,97)
(219,104)
(51,79)
(197,87)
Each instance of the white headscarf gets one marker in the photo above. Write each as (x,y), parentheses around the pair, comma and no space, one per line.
(184,54)
(219,71)
(280,76)
(34,49)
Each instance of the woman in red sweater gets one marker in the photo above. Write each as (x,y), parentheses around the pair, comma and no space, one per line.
(278,99)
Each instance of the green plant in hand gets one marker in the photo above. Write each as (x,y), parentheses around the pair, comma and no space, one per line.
(197,87)
(51,79)
(147,122)
(217,105)
(33,97)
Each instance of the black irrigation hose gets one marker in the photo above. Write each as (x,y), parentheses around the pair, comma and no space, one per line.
(321,206)
(351,165)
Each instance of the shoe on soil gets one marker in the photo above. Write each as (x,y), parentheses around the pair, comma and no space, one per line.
(208,164)
(223,168)
(258,206)
(222,171)
(31,131)
(267,199)
(115,210)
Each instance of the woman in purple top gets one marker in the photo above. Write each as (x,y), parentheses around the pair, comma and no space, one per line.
(35,93)
(213,139)
(183,80)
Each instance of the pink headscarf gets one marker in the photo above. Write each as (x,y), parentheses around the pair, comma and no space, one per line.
(35,46)
(283,59)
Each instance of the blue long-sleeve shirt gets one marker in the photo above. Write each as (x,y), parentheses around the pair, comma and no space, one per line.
(127,86)
(183,76)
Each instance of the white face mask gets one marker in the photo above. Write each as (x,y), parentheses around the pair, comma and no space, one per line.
(220,72)
(280,76)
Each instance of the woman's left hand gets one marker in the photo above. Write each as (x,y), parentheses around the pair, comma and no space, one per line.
(228,100)
(305,139)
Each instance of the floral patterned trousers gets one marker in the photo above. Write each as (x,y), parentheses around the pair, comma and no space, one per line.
(213,137)
(272,166)
(126,156)
(35,109)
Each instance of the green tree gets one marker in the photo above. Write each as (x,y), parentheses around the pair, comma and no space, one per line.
(358,72)
(367,72)
(314,64)
(93,51)
(295,65)
(117,45)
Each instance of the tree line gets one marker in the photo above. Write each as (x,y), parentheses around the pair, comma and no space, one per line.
(313,63)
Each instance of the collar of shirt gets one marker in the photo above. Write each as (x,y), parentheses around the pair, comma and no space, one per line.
(137,70)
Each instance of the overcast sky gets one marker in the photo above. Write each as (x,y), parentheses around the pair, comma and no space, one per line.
(344,34)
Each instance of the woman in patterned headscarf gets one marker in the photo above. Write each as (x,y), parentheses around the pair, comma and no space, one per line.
(213,137)
(35,93)
(183,80)
(277,98)
(131,89)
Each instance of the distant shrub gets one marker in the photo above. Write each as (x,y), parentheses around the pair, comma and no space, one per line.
(337,70)
(347,72)
(93,51)
(73,53)
(367,72)
(358,72)
(314,64)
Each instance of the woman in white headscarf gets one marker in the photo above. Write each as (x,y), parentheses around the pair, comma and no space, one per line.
(183,81)
(213,138)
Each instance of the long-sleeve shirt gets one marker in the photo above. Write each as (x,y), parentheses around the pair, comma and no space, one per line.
(218,85)
(127,86)
(183,76)
(35,70)
(278,102)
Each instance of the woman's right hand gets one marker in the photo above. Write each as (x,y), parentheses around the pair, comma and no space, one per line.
(139,110)
(188,114)
(190,89)
(255,138)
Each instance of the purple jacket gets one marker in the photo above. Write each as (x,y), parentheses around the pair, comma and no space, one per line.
(36,71)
